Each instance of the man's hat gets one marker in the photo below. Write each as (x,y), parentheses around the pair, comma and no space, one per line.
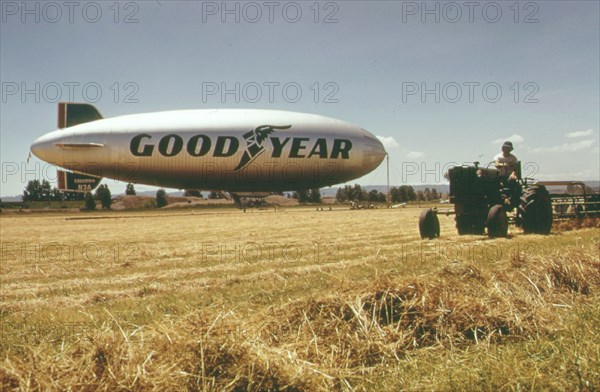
(508,145)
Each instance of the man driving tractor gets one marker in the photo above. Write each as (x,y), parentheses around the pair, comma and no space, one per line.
(508,165)
(506,162)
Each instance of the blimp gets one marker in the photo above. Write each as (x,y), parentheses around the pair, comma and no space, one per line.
(239,151)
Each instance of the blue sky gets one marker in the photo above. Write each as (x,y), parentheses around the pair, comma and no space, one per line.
(438,92)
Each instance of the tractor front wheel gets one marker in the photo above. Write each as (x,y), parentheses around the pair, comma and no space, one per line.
(497,222)
(429,224)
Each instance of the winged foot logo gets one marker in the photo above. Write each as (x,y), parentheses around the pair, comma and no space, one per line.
(254,145)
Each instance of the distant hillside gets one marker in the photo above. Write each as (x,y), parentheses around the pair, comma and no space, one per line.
(11,199)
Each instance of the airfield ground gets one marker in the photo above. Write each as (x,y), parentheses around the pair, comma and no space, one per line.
(293,298)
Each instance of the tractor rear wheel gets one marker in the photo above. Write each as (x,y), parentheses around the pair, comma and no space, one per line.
(536,210)
(497,222)
(429,224)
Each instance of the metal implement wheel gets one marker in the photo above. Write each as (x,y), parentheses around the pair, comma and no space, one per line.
(497,222)
(536,210)
(429,224)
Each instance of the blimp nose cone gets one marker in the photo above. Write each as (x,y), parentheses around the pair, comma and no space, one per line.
(44,147)
(39,148)
(374,152)
(380,151)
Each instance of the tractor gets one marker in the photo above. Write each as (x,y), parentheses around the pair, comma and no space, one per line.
(483,199)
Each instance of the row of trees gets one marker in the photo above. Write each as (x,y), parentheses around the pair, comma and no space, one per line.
(104,196)
(357,193)
(401,194)
(307,196)
(42,191)
(406,193)
(429,195)
(351,193)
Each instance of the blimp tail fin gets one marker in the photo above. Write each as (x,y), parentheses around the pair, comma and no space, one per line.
(70,114)
(76,182)
(73,113)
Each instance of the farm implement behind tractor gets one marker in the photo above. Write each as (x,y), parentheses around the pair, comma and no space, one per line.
(572,199)
(483,199)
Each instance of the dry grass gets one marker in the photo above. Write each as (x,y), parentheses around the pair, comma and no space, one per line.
(371,307)
(575,224)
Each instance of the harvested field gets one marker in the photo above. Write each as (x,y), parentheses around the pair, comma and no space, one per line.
(293,299)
